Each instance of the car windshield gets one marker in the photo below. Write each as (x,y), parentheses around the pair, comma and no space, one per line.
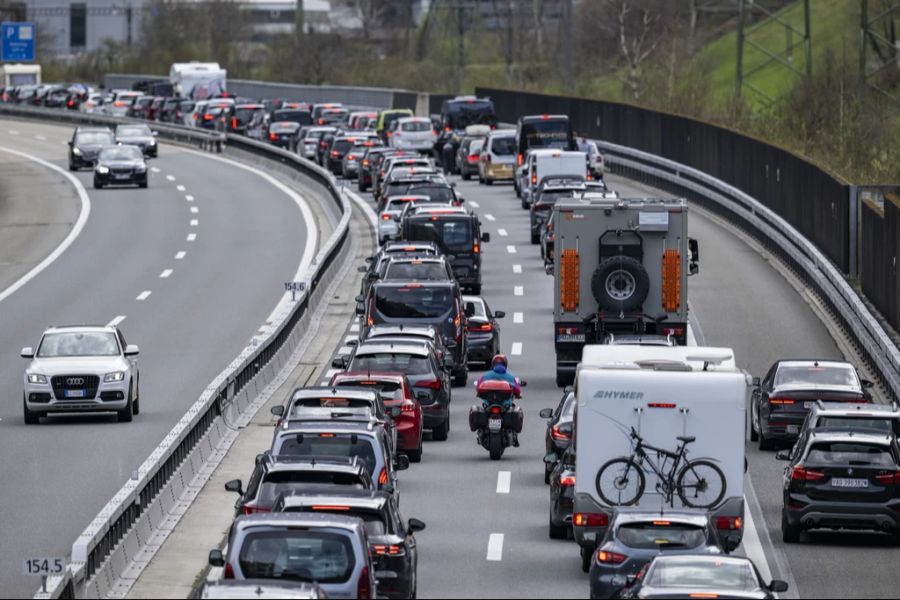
(94,138)
(82,343)
(416,126)
(390,390)
(452,235)
(121,153)
(302,117)
(843,375)
(341,146)
(341,445)
(504,146)
(133,131)
(392,362)
(407,271)
(414,301)
(700,574)
(661,534)
(849,422)
(549,198)
(297,554)
(850,453)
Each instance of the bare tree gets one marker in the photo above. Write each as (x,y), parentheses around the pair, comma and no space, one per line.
(640,32)
(370,13)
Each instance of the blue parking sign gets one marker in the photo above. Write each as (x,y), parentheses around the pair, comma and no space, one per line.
(17,42)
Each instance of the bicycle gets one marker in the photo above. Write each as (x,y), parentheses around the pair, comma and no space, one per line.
(621,481)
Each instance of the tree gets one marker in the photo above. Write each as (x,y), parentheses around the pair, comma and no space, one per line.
(640,31)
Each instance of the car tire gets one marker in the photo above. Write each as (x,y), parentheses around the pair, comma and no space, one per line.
(764,442)
(415,456)
(31,418)
(557,532)
(548,470)
(143,184)
(790,534)
(524,204)
(97,185)
(461,377)
(587,556)
(632,272)
(488,181)
(127,414)
(754,435)
(72,167)
(137,399)
(442,431)
(535,237)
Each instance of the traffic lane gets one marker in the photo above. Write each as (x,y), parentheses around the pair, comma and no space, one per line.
(195,321)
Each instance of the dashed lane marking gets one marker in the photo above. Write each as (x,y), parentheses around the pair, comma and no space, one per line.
(43,138)
(180,188)
(191,237)
(344,350)
(495,547)
(502,232)
(519,290)
(170,177)
(180,255)
(518,317)
(194,222)
(166,274)
(194,210)
(189,198)
(154,169)
(143,295)
(116,321)
(516,349)
(511,249)
(474,204)
(490,217)
(517,268)
(504,478)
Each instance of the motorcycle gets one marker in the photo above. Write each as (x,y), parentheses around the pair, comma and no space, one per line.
(497,421)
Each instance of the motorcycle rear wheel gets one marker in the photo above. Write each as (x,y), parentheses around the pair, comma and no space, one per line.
(495,445)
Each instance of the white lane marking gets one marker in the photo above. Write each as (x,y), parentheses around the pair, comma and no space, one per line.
(511,249)
(490,217)
(355,328)
(43,138)
(116,321)
(194,222)
(143,295)
(191,237)
(189,198)
(519,290)
(170,177)
(502,232)
(13,132)
(518,317)
(474,204)
(516,349)
(194,210)
(73,234)
(165,274)
(180,188)
(504,478)
(495,547)
(181,254)
(344,350)
(329,373)
(517,268)
(753,546)
(349,338)
(154,169)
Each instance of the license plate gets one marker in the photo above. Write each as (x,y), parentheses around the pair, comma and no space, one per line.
(578,337)
(793,429)
(495,424)
(843,482)
(74,393)
(117,176)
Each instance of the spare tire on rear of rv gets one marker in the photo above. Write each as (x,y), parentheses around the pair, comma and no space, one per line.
(620,284)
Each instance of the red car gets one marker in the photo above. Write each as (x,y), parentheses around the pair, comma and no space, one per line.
(397,393)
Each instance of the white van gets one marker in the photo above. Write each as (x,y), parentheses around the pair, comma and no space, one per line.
(550,163)
(14,75)
(668,397)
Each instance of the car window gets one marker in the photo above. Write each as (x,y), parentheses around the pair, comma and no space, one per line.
(121,153)
(341,445)
(409,364)
(476,146)
(83,343)
(730,575)
(281,482)
(416,126)
(416,270)
(845,422)
(503,146)
(480,311)
(133,131)
(390,390)
(850,453)
(454,236)
(568,408)
(298,554)
(94,138)
(330,408)
(661,534)
(817,375)
(414,301)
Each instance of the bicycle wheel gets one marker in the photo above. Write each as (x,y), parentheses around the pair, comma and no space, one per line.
(620,482)
(700,484)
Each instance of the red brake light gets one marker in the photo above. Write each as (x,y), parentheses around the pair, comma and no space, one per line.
(888,478)
(207,117)
(782,401)
(250,509)
(273,137)
(383,477)
(229,571)
(480,328)
(385,550)
(801,473)
(590,519)
(473,158)
(386,217)
(557,434)
(364,587)
(433,384)
(408,406)
(728,523)
(234,122)
(366,163)
(610,558)
(496,410)
(567,481)
(475,248)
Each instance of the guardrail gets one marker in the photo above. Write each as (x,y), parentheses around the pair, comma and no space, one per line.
(807,261)
(127,524)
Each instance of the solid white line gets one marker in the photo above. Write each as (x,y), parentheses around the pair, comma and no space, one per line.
(194,210)
(349,338)
(474,204)
(516,349)
(170,177)
(144,295)
(355,328)
(753,546)
(330,372)
(495,547)
(191,237)
(165,274)
(154,169)
(116,321)
(73,234)
(180,255)
(519,290)
(189,198)
(503,482)
(511,249)
(518,317)
(41,137)
(517,268)
(490,217)
(502,232)
(194,222)
(180,188)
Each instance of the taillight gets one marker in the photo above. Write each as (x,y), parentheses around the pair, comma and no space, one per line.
(590,519)
(567,481)
(234,123)
(496,410)
(387,550)
(610,558)
(208,117)
(229,571)
(801,473)
(480,328)
(888,478)
(366,163)
(519,160)
(733,523)
(534,179)
(473,158)
(433,384)
(475,248)
(71,103)
(335,154)
(386,217)
(383,476)
(250,509)
(779,401)
(558,434)
(273,136)
(364,587)
(408,406)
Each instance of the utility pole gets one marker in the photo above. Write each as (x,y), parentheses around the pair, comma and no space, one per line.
(299,19)
(568,34)
(740,51)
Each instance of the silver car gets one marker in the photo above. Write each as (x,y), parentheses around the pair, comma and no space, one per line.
(332,550)
(81,369)
(120,104)
(414,133)
(389,219)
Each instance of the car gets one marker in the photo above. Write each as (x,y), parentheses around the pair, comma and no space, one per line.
(242,116)
(392,541)
(216,114)
(386,118)
(155,109)
(468,156)
(562,494)
(635,537)
(81,369)
(545,199)
(140,107)
(273,475)
(308,142)
(364,177)
(841,480)
(426,268)
(596,161)
(298,115)
(701,576)
(484,331)
(560,426)
(184,113)
(389,217)
(425,182)
(167,110)
(354,156)
(414,133)
(281,133)
(55,96)
(421,366)
(318,109)
(360,119)
(333,116)
(324,147)
(86,144)
(92,104)
(640,339)
(779,401)
(400,402)
(120,165)
(498,157)
(332,550)
(318,439)
(138,135)
(883,418)
(428,333)
(373,269)
(260,588)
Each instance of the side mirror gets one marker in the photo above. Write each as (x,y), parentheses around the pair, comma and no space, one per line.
(499,314)
(546,413)
(155,133)
(70,142)
(783,455)
(694,249)
(693,269)
(362,269)
(757,382)
(360,299)
(523,383)
(132,350)
(339,363)
(867,384)
(402,462)
(551,459)
(485,237)
(777,586)
(235,486)
(360,308)
(216,558)
(415,526)
(568,389)
(27,352)
(277,410)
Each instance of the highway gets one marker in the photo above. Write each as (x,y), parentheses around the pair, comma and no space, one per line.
(190,267)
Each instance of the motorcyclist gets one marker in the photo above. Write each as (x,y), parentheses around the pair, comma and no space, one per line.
(499,372)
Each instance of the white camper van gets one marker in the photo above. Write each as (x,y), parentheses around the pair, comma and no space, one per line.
(632,402)
(197,80)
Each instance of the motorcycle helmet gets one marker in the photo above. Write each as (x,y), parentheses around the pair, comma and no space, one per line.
(499,359)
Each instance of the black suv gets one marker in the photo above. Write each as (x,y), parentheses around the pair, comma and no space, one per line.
(86,144)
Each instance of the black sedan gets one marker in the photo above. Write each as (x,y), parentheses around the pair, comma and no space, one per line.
(780,401)
(562,493)
(140,136)
(560,425)
(86,144)
(484,331)
(281,133)
(120,165)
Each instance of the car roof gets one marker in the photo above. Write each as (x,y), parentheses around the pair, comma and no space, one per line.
(80,328)
(401,329)
(405,258)
(376,347)
(624,515)
(333,391)
(373,375)
(807,362)
(365,428)
(334,464)
(366,499)
(93,130)
(864,437)
(300,520)
(407,246)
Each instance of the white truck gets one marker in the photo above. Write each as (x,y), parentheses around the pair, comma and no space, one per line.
(541,164)
(197,80)
(637,408)
(13,75)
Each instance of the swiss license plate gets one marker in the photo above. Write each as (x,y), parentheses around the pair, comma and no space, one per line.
(577,337)
(121,176)
(74,393)
(844,482)
(495,424)
(793,429)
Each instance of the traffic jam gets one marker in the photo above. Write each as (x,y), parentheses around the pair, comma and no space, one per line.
(644,446)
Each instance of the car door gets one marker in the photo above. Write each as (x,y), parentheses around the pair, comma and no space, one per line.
(132,360)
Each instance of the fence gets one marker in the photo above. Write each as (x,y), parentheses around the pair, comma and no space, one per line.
(878,251)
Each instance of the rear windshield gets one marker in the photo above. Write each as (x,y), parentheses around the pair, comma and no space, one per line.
(397,205)
(414,301)
(390,390)
(244,114)
(134,131)
(374,521)
(297,554)
(504,146)
(550,133)
(330,408)
(297,116)
(812,375)
(416,126)
(284,126)
(437,193)
(850,453)
(847,422)
(416,270)
(700,574)
(341,146)
(470,112)
(283,482)
(550,198)
(389,118)
(392,362)
(452,235)
(315,135)
(339,445)
(661,535)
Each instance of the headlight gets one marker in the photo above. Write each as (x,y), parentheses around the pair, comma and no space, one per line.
(112,377)
(76,151)
(152,142)
(34,378)
(103,170)
(140,168)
